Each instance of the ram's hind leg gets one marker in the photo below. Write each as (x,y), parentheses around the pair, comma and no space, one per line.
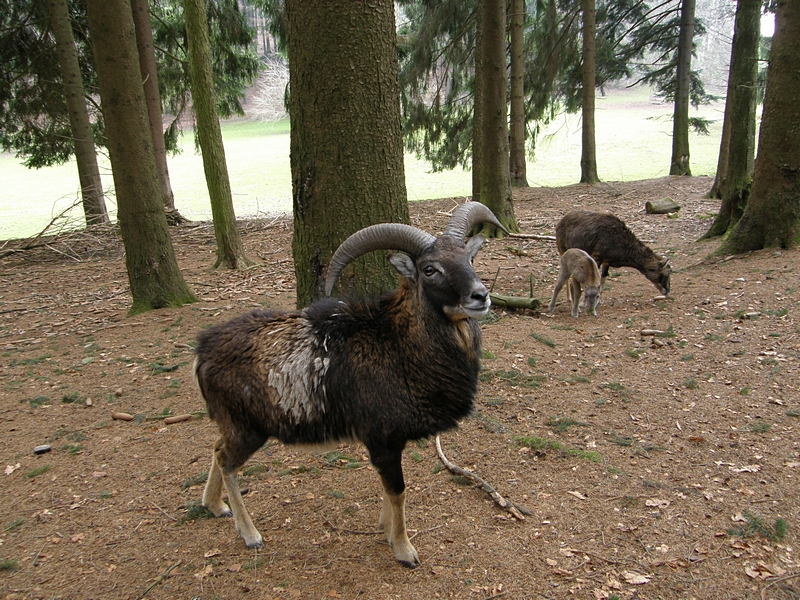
(393,513)
(230,453)
(212,494)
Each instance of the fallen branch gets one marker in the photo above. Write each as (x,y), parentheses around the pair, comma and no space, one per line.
(515,510)
(515,301)
(161,578)
(532,236)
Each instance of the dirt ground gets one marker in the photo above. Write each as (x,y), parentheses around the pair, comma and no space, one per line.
(653,466)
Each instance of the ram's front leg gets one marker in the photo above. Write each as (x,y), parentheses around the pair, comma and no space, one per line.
(393,515)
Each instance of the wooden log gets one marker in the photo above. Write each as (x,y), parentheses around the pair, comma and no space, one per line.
(662,206)
(515,302)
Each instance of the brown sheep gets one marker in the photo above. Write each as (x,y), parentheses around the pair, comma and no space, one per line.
(383,372)
(581,271)
(610,243)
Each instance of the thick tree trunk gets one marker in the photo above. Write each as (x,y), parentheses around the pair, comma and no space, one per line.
(724,144)
(346,146)
(147,64)
(153,272)
(517,165)
(495,181)
(230,252)
(477,106)
(94,205)
(740,110)
(679,164)
(588,148)
(772,215)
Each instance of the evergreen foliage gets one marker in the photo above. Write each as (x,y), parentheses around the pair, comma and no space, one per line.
(33,114)
(636,41)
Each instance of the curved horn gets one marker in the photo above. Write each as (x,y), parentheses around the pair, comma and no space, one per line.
(384,236)
(467,215)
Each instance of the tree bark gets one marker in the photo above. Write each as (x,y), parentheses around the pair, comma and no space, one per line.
(518,167)
(495,181)
(94,205)
(588,147)
(477,106)
(679,164)
(346,150)
(153,272)
(230,252)
(740,107)
(147,65)
(772,215)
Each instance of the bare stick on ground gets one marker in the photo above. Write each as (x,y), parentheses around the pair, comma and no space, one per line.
(516,510)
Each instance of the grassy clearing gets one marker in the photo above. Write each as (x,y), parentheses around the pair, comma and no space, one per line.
(633,143)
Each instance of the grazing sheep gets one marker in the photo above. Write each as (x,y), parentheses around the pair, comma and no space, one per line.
(611,244)
(382,372)
(581,270)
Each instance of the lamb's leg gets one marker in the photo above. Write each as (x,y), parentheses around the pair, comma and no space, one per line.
(212,494)
(393,516)
(575,292)
(603,275)
(563,275)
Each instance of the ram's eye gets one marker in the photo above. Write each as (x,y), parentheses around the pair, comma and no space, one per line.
(429,270)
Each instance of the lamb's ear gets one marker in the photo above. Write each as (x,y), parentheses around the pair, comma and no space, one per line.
(473,245)
(404,265)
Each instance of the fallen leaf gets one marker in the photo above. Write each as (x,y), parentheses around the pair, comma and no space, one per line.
(635,578)
(657,502)
(78,538)
(211,553)
(11,468)
(205,572)
(746,469)
(234,568)
(578,495)
(738,518)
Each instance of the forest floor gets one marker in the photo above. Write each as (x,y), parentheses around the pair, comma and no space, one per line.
(653,466)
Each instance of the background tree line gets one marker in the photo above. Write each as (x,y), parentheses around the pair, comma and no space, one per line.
(443,84)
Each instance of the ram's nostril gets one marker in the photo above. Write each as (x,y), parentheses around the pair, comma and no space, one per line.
(480,296)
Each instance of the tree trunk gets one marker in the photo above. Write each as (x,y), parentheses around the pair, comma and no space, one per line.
(724,144)
(147,65)
(517,131)
(230,252)
(679,165)
(740,110)
(94,205)
(477,105)
(772,215)
(495,181)
(153,272)
(588,148)
(346,152)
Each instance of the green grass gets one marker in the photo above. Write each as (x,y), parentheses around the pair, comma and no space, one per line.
(543,339)
(561,424)
(14,524)
(512,377)
(630,146)
(9,564)
(37,471)
(755,525)
(541,446)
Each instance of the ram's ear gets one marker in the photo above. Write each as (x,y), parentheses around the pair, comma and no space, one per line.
(404,265)
(473,245)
